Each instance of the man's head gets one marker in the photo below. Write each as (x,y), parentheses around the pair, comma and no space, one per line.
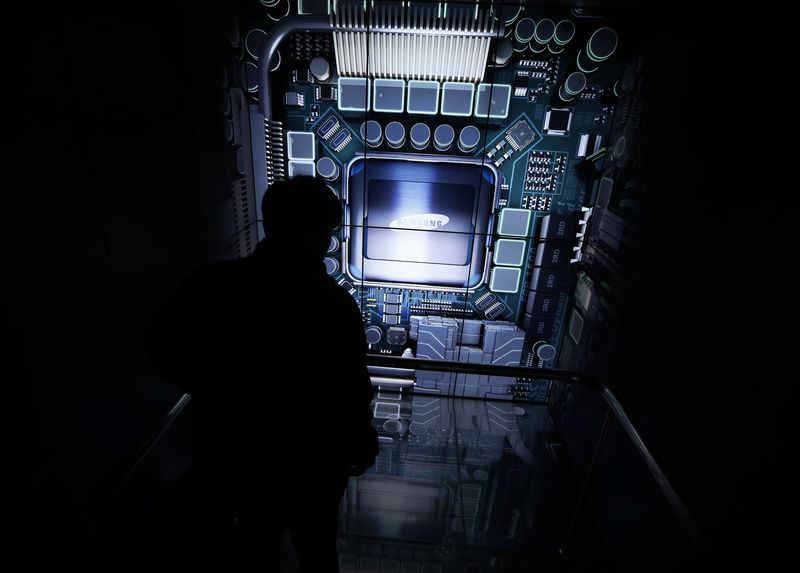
(304,209)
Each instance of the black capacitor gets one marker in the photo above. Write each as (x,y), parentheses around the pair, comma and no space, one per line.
(550,280)
(600,46)
(553,254)
(560,226)
(542,303)
(572,86)
(503,52)
(537,326)
(563,34)
(250,77)
(253,41)
(544,33)
(523,33)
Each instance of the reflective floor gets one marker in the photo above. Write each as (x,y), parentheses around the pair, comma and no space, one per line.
(459,485)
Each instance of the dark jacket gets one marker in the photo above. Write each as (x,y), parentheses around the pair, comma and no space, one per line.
(273,352)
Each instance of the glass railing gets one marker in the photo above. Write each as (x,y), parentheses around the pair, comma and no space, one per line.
(492,484)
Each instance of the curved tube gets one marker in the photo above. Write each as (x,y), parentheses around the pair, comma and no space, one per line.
(274,37)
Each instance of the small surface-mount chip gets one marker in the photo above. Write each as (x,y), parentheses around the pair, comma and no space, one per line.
(302,76)
(328,127)
(521,83)
(340,140)
(294,99)
(345,284)
(391,318)
(485,301)
(396,335)
(520,135)
(326,92)
(391,308)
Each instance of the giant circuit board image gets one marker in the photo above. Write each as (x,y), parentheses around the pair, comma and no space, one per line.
(475,147)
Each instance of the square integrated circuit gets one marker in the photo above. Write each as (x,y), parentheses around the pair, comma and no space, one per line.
(520,135)
(415,222)
(557,121)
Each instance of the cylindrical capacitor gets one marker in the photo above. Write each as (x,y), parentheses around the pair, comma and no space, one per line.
(395,135)
(277,9)
(241,160)
(543,34)
(320,69)
(224,102)
(275,62)
(372,133)
(564,32)
(327,169)
(253,41)
(618,151)
(469,138)
(523,34)
(503,52)
(373,334)
(232,30)
(507,12)
(227,130)
(600,46)
(333,245)
(331,265)
(572,86)
(544,350)
(250,77)
(443,137)
(420,136)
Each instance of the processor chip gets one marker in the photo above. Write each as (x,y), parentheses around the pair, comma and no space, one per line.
(414,222)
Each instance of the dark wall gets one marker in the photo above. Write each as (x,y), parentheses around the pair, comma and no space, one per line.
(119,158)
(701,360)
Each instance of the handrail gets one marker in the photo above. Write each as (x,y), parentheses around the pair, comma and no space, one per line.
(489,369)
(114,483)
(676,504)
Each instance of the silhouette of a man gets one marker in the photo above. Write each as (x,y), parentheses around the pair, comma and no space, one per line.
(274,354)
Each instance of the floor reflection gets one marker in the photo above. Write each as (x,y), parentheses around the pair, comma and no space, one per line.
(459,485)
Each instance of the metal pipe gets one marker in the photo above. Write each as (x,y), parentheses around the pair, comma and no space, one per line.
(276,34)
(100,500)
(601,440)
(490,369)
(675,503)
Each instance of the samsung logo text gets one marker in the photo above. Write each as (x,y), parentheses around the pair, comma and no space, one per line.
(424,221)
